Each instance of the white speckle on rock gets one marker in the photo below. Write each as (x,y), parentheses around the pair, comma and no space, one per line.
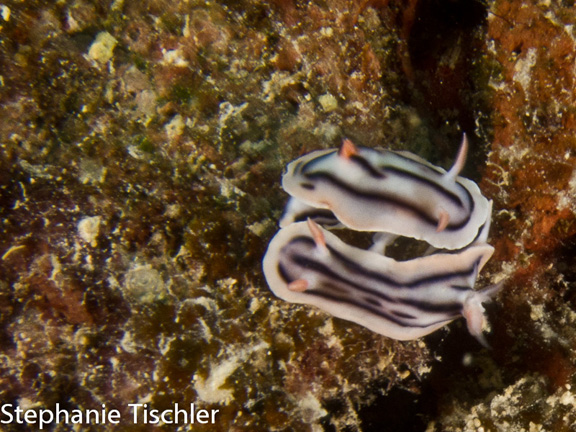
(328,102)
(327,31)
(310,408)
(146,104)
(568,398)
(328,130)
(257,228)
(523,68)
(128,344)
(88,229)
(174,58)
(165,343)
(91,171)
(210,389)
(227,111)
(534,427)
(175,128)
(5,12)
(102,48)
(536,312)
(567,197)
(228,189)
(144,284)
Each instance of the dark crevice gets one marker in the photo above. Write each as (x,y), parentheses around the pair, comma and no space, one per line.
(449,85)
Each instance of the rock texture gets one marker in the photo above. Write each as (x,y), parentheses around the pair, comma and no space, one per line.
(142,144)
(141,149)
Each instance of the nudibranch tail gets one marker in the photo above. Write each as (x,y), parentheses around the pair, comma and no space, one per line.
(473,311)
(460,160)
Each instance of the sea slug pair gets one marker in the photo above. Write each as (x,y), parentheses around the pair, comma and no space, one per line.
(392,194)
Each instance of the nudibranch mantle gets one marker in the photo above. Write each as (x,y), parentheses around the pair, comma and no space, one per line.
(391,191)
(403,300)
(392,194)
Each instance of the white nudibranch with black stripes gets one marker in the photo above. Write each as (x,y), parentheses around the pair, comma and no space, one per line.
(392,194)
(400,299)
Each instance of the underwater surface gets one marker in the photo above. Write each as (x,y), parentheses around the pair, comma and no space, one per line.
(141,150)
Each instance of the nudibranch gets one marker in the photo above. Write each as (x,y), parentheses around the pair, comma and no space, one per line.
(298,211)
(391,191)
(403,300)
